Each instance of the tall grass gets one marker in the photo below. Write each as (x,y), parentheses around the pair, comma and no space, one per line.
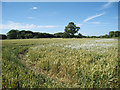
(15,74)
(80,63)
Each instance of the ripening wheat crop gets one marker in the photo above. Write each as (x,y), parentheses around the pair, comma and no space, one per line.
(84,63)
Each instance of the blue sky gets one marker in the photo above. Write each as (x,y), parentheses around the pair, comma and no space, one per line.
(94,18)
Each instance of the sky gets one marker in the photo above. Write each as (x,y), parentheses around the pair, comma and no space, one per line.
(93,18)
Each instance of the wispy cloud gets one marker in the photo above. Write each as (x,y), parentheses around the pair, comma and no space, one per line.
(92,17)
(34,8)
(81,24)
(14,25)
(108,4)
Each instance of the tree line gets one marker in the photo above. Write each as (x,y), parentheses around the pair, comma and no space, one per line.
(69,32)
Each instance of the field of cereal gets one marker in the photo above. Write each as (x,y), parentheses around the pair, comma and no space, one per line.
(53,63)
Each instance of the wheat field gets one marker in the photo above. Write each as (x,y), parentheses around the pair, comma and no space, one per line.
(60,63)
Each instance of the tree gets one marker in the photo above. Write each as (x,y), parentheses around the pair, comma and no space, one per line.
(21,34)
(47,35)
(13,34)
(79,35)
(66,35)
(25,34)
(106,36)
(71,29)
(43,35)
(58,35)
(2,36)
(36,35)
(117,33)
(112,34)
(28,35)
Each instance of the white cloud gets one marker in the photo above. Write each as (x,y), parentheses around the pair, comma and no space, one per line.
(80,25)
(98,15)
(14,25)
(34,8)
(108,4)
(92,17)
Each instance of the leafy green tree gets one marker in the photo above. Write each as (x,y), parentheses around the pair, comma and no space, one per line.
(43,35)
(66,35)
(106,36)
(21,34)
(80,35)
(36,35)
(29,35)
(71,29)
(112,34)
(117,33)
(13,34)
(58,35)
(25,34)
(2,36)
(47,35)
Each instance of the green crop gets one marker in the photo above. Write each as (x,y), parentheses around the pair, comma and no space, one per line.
(55,63)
